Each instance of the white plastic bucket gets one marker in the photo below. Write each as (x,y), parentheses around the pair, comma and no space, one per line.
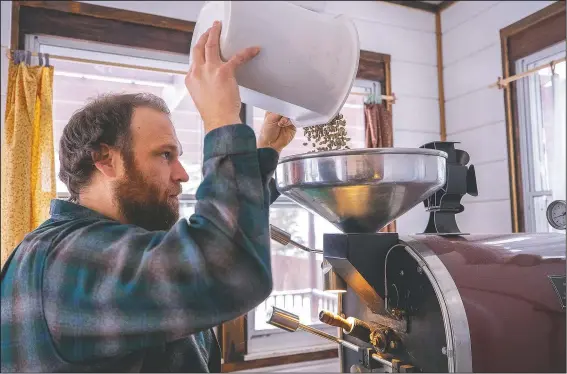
(307,63)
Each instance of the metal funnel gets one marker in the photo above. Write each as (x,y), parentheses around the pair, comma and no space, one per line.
(361,190)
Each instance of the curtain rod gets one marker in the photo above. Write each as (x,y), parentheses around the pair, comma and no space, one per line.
(503,83)
(384,97)
(159,70)
(106,63)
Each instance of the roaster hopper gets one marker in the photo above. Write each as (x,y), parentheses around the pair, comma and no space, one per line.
(440,301)
(361,191)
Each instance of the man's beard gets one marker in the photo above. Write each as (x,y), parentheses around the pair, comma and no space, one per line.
(139,202)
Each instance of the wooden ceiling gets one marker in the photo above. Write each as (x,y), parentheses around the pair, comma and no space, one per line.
(429,6)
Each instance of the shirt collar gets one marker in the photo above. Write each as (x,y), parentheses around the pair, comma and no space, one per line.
(70,209)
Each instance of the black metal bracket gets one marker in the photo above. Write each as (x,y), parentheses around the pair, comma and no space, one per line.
(446,202)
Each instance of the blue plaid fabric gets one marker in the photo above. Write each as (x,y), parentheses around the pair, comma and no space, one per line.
(85,293)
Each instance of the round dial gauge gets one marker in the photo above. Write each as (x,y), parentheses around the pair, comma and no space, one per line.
(556,214)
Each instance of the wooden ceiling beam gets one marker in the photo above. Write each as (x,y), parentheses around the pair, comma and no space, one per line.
(422,5)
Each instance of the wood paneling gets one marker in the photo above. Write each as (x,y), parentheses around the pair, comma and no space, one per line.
(486,217)
(371,66)
(523,38)
(491,176)
(483,144)
(382,13)
(440,85)
(15,24)
(234,340)
(85,9)
(95,29)
(540,35)
(444,5)
(415,80)
(416,114)
(473,73)
(463,113)
(408,45)
(457,16)
(283,360)
(421,5)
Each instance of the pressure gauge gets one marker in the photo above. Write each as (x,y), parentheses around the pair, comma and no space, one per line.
(556,214)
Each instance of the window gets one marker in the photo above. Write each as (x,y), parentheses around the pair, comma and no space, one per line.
(297,275)
(77,82)
(541,108)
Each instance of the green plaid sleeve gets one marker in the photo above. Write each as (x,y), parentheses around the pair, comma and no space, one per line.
(110,289)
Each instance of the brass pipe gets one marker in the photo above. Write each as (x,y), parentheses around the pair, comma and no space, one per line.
(290,322)
(335,320)
(350,326)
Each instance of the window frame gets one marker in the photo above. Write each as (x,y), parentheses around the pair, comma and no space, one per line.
(33,43)
(360,86)
(529,35)
(527,91)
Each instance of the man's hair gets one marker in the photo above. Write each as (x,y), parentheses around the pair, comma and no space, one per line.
(104,120)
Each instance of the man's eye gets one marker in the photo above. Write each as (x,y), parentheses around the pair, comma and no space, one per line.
(166,155)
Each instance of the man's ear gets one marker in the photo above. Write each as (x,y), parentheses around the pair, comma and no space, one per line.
(106,160)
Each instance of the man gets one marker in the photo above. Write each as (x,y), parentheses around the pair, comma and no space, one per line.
(113,281)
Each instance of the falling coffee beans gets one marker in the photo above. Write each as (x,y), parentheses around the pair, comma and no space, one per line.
(327,137)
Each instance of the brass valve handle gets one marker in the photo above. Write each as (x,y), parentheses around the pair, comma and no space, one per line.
(290,322)
(333,319)
(351,326)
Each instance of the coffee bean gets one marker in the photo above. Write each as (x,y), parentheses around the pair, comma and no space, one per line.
(326,137)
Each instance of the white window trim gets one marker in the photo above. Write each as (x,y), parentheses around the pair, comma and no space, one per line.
(526,92)
(110,53)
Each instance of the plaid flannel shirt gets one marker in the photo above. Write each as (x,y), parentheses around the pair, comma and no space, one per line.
(83,292)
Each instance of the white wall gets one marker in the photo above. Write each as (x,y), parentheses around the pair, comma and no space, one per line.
(475,114)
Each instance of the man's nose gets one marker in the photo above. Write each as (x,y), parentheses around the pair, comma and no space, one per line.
(178,173)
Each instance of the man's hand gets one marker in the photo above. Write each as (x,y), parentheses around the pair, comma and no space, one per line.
(277,132)
(211,81)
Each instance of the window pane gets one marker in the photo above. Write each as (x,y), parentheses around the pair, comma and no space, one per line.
(542,107)
(553,144)
(75,83)
(540,204)
(322,226)
(296,273)
(537,134)
(186,209)
(298,283)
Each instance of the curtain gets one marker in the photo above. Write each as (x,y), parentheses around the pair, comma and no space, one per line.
(378,127)
(378,124)
(28,165)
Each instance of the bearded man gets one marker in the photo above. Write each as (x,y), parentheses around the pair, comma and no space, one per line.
(114,280)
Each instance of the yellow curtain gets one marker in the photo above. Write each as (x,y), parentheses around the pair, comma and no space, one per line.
(28,165)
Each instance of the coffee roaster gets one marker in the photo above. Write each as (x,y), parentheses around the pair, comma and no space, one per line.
(438,301)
